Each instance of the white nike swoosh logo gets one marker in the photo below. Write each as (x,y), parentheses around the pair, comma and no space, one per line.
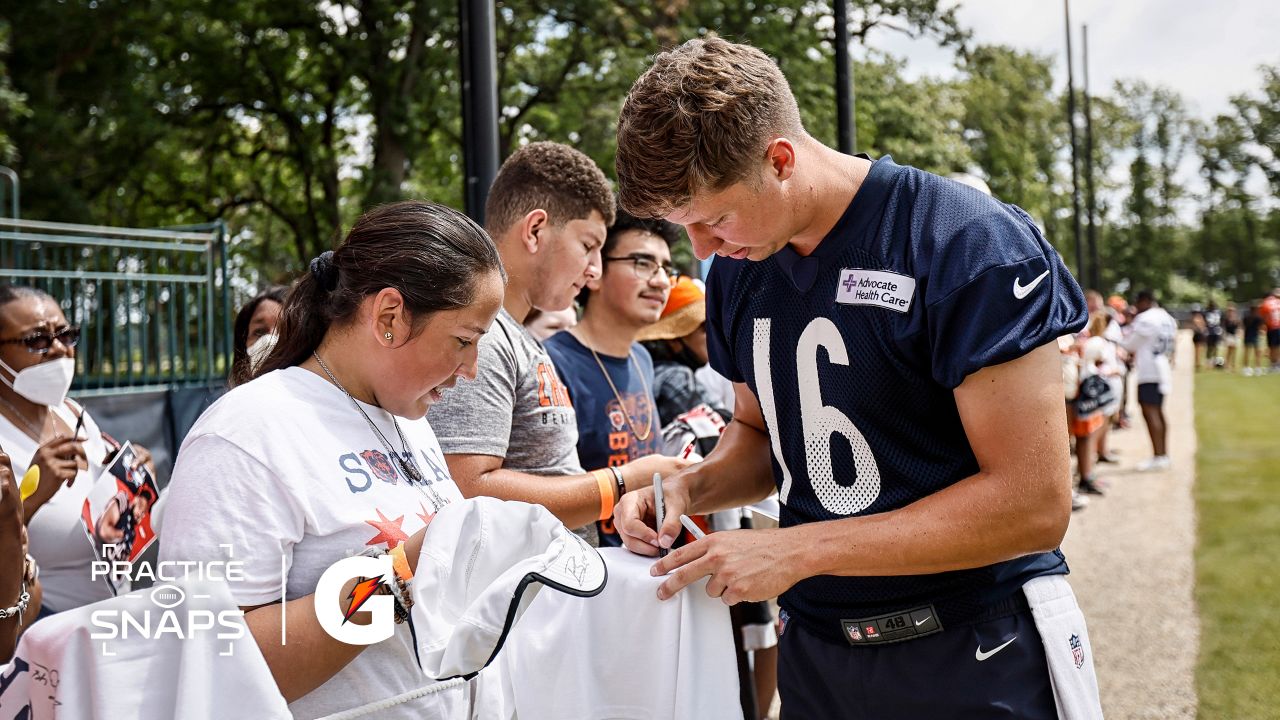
(921,622)
(979,655)
(1020,291)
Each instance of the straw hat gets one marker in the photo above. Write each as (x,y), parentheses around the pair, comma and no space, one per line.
(686,309)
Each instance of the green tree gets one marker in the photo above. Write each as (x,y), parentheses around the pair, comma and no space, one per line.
(287,117)
(1230,250)
(918,123)
(1260,117)
(1112,130)
(1013,124)
(1151,242)
(13,104)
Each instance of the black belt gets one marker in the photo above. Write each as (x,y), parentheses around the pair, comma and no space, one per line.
(922,621)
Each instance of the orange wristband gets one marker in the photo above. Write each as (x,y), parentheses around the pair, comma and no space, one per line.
(401,563)
(604,479)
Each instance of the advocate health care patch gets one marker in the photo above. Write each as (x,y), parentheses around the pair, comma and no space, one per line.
(877,288)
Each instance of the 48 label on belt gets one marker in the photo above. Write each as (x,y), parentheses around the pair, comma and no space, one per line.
(896,627)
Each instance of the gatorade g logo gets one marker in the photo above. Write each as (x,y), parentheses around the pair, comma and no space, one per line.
(373,573)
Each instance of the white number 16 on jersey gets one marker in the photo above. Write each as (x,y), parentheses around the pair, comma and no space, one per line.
(820,421)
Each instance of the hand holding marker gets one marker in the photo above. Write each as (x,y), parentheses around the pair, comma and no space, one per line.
(657,508)
(659,512)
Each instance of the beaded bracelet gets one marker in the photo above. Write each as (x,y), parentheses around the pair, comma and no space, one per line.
(404,600)
(18,609)
(399,588)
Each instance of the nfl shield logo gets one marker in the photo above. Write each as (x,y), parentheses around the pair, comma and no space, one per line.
(1077,651)
(854,634)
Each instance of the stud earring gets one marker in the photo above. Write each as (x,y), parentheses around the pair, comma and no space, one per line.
(388,336)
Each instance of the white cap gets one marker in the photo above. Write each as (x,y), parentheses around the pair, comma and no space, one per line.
(483,561)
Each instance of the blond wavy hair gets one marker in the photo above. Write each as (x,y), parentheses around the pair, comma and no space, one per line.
(699,119)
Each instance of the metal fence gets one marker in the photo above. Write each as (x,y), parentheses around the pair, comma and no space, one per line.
(153,305)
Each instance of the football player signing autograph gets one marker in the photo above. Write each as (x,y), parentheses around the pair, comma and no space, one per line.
(891,337)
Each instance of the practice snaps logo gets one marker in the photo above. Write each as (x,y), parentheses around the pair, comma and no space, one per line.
(166,609)
(373,574)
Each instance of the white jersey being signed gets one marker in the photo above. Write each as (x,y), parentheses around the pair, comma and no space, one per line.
(287,473)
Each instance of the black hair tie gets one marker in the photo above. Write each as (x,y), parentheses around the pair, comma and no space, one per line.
(324,271)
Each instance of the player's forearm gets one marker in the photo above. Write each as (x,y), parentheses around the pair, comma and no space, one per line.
(574,499)
(981,520)
(738,472)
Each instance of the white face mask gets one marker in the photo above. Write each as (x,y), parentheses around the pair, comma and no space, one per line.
(259,350)
(46,383)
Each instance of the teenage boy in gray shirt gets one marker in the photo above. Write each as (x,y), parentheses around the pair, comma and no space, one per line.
(512,432)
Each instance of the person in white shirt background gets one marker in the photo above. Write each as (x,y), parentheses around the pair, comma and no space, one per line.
(1101,357)
(40,426)
(326,452)
(1151,341)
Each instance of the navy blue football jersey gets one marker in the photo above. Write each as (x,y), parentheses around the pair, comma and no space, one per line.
(855,351)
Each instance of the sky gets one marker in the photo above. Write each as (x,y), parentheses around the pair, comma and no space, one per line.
(1208,50)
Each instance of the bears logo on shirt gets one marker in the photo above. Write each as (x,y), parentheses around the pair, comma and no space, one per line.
(551,392)
(361,467)
(381,465)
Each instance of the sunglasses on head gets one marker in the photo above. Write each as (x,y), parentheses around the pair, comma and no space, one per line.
(42,342)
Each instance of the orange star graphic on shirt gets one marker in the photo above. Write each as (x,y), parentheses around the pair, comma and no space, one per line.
(389,531)
(425,514)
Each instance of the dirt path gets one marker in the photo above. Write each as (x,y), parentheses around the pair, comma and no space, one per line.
(1131,555)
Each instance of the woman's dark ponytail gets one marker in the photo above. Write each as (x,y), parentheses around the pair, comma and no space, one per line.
(431,253)
(322,269)
(303,323)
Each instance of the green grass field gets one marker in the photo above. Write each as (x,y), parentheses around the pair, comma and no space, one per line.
(1238,579)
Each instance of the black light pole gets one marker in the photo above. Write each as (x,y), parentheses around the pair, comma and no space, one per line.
(479,102)
(1095,268)
(846,128)
(1075,179)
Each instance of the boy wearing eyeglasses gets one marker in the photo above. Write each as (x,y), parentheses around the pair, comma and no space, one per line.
(511,433)
(609,375)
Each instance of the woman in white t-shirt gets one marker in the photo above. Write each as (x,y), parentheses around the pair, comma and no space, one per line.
(40,426)
(326,452)
(1102,357)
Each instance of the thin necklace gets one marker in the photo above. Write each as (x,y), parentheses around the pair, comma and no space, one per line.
(410,468)
(36,432)
(648,428)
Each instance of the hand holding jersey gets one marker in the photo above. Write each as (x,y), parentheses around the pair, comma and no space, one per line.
(742,454)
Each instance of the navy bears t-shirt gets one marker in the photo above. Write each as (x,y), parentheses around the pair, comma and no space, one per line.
(855,351)
(605,437)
